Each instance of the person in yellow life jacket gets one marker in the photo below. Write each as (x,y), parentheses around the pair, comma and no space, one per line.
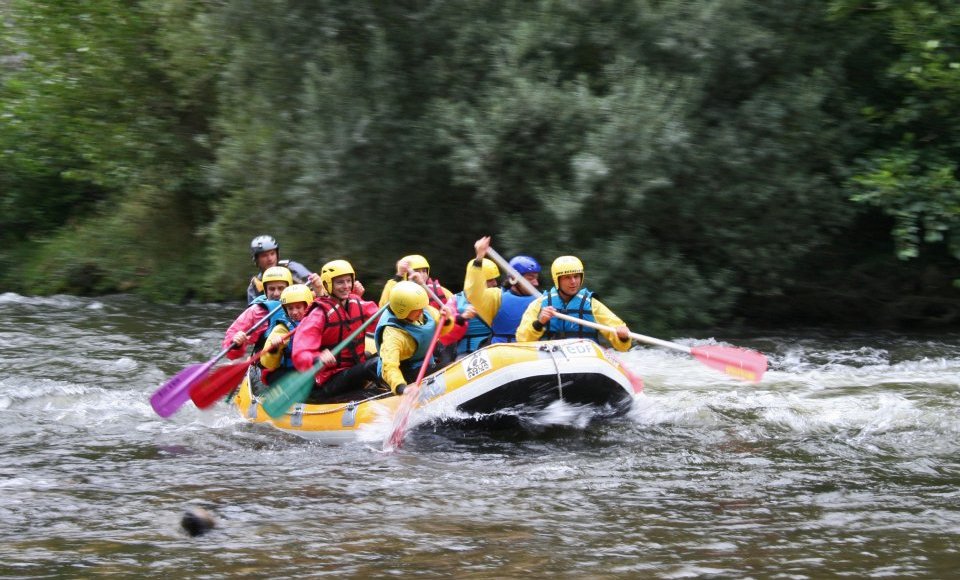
(277,360)
(500,309)
(275,281)
(570,297)
(266,254)
(404,332)
(415,267)
(481,276)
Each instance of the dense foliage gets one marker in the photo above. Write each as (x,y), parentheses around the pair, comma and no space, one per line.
(710,161)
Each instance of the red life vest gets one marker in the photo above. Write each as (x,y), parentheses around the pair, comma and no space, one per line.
(339,321)
(438,290)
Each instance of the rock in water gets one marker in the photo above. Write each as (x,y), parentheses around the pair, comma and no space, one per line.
(197,521)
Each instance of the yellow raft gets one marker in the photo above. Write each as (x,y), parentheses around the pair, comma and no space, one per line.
(522,377)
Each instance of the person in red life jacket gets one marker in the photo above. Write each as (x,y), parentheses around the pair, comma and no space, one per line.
(404,333)
(275,281)
(277,359)
(330,321)
(570,297)
(500,309)
(417,266)
(266,254)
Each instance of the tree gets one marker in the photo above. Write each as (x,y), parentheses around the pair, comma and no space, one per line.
(100,142)
(912,101)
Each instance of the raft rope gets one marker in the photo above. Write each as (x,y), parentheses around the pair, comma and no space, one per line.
(343,407)
(552,349)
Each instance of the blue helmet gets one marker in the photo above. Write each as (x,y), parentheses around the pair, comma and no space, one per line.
(525,265)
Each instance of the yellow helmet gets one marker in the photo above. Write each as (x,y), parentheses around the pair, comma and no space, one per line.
(565,265)
(296,293)
(277,274)
(406,297)
(490,270)
(334,269)
(417,262)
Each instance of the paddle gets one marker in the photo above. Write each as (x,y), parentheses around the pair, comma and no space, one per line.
(222,380)
(175,392)
(409,399)
(740,363)
(295,387)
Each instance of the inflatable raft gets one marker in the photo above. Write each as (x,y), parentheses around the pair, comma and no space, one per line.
(522,378)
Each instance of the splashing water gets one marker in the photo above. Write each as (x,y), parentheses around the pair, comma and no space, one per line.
(842,461)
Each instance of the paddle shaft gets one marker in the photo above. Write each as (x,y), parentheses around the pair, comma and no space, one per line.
(430,349)
(295,388)
(267,348)
(740,363)
(530,289)
(350,338)
(248,331)
(174,393)
(410,394)
(433,296)
(402,415)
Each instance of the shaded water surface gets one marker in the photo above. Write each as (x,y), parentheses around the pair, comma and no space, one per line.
(842,462)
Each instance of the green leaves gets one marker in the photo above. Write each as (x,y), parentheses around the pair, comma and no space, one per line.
(911,174)
(692,152)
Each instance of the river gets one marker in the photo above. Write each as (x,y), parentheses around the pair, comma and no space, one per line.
(843,461)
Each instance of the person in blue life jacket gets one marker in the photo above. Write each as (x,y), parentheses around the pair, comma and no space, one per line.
(277,359)
(404,332)
(569,296)
(501,309)
(479,330)
(275,281)
(266,254)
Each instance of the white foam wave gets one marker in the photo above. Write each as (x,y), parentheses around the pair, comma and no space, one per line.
(56,302)
(68,404)
(125,364)
(11,298)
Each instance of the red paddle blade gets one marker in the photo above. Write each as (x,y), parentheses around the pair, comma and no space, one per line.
(218,384)
(175,392)
(740,363)
(401,418)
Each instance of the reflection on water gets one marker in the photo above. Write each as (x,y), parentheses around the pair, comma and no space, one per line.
(843,461)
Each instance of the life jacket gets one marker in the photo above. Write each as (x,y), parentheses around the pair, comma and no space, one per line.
(286,360)
(580,306)
(505,323)
(257,283)
(478,332)
(421,333)
(286,357)
(268,306)
(438,290)
(340,321)
(257,280)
